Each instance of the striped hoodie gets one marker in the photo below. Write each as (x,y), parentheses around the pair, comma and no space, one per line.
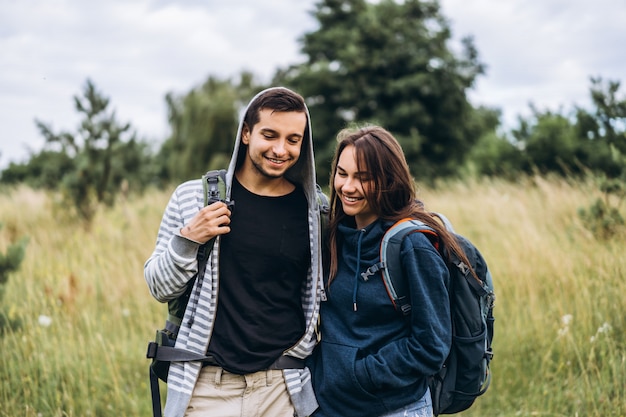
(173,263)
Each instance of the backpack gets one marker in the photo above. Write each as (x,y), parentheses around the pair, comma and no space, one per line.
(466,373)
(162,350)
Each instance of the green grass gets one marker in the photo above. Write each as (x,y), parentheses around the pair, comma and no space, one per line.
(559,341)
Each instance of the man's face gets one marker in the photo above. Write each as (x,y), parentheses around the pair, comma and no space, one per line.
(275,142)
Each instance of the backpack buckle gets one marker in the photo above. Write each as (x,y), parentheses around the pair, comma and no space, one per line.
(372,270)
(152,350)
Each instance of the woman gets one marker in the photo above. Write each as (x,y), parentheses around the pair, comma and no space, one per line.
(372,361)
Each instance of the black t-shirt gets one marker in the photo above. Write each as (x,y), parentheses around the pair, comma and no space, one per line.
(262,270)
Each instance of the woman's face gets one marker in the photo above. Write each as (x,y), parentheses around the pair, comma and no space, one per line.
(351,186)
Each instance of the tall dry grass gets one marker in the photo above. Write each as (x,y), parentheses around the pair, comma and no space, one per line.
(87,315)
(85,309)
(559,339)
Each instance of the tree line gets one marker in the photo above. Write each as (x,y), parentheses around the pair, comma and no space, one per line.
(388,63)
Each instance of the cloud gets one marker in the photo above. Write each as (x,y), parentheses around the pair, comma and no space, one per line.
(541,52)
(137,51)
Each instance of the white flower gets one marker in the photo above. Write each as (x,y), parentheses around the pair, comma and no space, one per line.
(605,328)
(45,321)
(567,319)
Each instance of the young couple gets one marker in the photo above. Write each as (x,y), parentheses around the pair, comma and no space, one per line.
(264,303)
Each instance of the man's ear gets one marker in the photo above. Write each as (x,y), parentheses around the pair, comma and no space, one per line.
(245,134)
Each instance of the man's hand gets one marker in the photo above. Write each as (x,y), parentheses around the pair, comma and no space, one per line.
(211,221)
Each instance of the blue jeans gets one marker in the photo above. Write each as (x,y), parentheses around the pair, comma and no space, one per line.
(421,408)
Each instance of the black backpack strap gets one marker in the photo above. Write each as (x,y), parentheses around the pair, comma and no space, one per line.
(156,394)
(203,258)
(166,354)
(172,354)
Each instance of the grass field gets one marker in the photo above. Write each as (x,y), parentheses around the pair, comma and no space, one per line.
(86,314)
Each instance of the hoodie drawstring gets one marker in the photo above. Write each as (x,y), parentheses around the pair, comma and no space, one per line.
(358,266)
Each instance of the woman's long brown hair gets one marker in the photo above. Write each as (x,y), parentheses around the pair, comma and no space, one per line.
(393,195)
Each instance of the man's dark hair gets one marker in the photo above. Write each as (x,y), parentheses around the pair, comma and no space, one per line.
(278,99)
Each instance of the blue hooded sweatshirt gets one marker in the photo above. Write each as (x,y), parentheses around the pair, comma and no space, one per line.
(371,359)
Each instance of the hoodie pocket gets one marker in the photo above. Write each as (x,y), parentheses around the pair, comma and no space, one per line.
(337,385)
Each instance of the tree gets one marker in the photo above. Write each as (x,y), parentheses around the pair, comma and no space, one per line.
(604,129)
(45,169)
(388,63)
(575,142)
(549,142)
(493,154)
(103,154)
(610,113)
(203,126)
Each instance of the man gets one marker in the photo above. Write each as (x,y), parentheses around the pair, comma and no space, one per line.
(258,301)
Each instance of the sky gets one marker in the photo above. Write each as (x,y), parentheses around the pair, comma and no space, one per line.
(137,51)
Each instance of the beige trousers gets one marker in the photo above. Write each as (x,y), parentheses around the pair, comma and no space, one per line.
(219,393)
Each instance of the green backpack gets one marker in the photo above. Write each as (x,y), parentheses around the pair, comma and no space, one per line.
(214,184)
(162,350)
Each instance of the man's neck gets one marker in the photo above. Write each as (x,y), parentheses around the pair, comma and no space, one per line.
(260,184)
